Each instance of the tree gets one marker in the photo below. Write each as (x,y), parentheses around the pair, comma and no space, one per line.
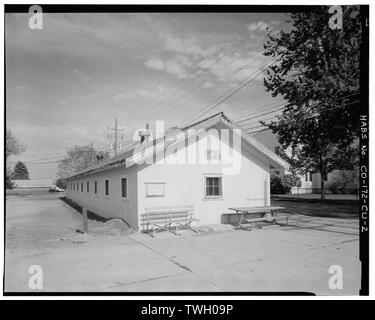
(9,184)
(20,171)
(317,73)
(79,158)
(61,183)
(13,146)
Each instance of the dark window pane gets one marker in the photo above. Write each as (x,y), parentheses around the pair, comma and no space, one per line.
(106,187)
(96,187)
(88,186)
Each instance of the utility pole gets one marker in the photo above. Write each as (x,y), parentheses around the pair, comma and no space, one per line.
(92,153)
(116,136)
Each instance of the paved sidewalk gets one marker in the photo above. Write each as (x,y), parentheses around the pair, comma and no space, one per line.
(273,258)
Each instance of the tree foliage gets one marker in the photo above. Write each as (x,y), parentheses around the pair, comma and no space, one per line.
(79,158)
(9,184)
(13,146)
(60,183)
(343,181)
(317,73)
(20,171)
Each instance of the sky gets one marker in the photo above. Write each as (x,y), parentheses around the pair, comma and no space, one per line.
(66,83)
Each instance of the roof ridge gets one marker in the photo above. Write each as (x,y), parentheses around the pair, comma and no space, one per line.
(205,119)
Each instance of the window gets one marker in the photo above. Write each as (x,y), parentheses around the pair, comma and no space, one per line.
(81,186)
(96,187)
(213,187)
(310,176)
(88,186)
(124,187)
(306,176)
(106,187)
(155,189)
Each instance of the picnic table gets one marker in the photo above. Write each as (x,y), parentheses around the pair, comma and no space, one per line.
(260,214)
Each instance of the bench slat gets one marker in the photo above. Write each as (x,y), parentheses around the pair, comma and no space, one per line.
(161,213)
(166,217)
(166,221)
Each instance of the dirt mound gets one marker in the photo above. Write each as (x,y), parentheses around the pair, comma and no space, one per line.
(113,227)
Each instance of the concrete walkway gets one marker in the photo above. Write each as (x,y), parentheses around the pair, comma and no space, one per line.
(290,258)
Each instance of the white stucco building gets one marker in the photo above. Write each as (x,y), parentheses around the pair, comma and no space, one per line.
(211,165)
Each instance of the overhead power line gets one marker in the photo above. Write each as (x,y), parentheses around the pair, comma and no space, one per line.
(231,92)
(312,117)
(218,53)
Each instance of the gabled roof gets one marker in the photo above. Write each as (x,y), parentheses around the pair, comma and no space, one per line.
(129,156)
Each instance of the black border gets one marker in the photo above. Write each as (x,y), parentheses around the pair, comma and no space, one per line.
(131,8)
(151,8)
(364,158)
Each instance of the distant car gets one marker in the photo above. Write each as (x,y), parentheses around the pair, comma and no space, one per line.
(56,189)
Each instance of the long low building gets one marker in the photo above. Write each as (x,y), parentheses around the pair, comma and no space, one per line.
(211,165)
(33,183)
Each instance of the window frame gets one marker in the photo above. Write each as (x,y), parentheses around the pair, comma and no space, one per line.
(127,187)
(221,189)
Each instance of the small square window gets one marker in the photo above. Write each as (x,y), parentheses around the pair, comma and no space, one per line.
(213,187)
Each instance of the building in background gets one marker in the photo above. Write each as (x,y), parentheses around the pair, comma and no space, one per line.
(309,182)
(33,183)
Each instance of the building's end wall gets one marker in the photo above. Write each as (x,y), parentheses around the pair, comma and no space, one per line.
(185,185)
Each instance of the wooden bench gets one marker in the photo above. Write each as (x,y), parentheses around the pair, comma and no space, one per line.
(169,219)
(262,214)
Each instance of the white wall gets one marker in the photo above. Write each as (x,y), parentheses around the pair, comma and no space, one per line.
(113,205)
(184,185)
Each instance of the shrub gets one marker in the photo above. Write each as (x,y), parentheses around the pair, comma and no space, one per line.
(277,186)
(343,182)
(284,185)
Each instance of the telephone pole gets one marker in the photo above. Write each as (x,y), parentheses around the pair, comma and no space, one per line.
(116,136)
